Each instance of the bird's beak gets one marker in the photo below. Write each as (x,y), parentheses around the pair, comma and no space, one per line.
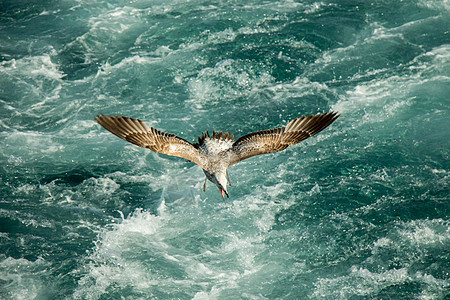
(223,192)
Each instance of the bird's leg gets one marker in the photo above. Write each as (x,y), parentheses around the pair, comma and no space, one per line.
(204,185)
(228,176)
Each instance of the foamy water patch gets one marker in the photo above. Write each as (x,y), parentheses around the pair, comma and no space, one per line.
(147,254)
(110,30)
(433,64)
(22,278)
(33,67)
(225,36)
(393,264)
(360,62)
(282,7)
(227,80)
(443,5)
(32,144)
(393,94)
(361,282)
(137,258)
(427,232)
(128,62)
(36,80)
(108,265)
(298,93)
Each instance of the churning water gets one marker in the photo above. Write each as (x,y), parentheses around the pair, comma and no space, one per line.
(360,211)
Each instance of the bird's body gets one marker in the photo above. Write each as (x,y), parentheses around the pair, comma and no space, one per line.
(214,154)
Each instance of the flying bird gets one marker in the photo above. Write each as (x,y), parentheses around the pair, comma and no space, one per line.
(216,153)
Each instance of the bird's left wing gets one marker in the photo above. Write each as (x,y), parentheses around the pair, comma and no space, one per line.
(137,132)
(277,139)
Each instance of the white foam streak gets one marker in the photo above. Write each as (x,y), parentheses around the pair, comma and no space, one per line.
(107,69)
(37,66)
(392,94)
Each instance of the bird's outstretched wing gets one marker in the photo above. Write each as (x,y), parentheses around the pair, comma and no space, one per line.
(137,132)
(277,139)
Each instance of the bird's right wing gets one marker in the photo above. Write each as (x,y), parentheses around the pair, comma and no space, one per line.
(277,139)
(137,132)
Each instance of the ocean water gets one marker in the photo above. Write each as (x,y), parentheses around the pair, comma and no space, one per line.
(360,211)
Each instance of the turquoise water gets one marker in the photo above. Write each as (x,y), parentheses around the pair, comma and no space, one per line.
(360,211)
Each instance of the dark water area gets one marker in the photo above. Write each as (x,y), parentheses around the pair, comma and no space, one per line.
(360,211)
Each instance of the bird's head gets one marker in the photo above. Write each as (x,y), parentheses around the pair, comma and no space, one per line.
(220,180)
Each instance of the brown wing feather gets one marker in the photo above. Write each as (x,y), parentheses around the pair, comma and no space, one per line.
(277,139)
(137,132)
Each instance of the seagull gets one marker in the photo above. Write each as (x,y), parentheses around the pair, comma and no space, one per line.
(216,153)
